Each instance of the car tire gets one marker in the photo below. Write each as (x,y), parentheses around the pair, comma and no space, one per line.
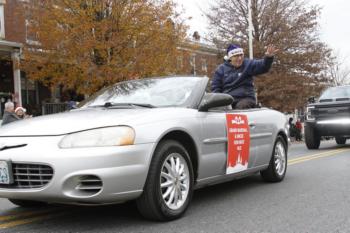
(170,168)
(340,140)
(277,168)
(312,139)
(27,203)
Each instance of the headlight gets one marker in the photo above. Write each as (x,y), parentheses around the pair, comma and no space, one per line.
(109,136)
(309,113)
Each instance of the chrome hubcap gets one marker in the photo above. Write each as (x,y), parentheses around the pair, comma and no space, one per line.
(174,181)
(280,158)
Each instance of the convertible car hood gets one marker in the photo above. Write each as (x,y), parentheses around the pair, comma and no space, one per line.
(63,123)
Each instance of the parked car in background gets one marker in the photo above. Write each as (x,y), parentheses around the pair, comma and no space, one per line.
(328,117)
(151,140)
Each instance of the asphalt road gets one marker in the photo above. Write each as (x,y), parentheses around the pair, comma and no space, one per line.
(314,197)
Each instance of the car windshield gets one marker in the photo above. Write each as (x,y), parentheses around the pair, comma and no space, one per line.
(336,92)
(160,92)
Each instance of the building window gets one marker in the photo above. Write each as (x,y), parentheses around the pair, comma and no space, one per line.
(29,91)
(204,65)
(31,37)
(179,63)
(2,22)
(193,64)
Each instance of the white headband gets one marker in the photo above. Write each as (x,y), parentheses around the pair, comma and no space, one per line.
(235,52)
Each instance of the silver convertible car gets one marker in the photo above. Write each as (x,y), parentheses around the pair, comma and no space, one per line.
(150,140)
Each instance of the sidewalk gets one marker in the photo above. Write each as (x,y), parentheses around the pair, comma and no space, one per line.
(297,142)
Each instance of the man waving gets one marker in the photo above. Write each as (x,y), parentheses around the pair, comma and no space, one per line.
(235,76)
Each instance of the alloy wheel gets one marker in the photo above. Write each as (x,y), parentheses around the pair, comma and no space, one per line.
(174,181)
(280,158)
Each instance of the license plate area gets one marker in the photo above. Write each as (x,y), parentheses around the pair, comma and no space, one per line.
(6,176)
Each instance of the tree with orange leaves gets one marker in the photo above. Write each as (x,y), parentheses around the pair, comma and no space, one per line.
(87,44)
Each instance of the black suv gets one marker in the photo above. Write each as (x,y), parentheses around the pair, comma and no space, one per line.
(329,116)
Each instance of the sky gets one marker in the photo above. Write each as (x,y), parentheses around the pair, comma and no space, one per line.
(334,28)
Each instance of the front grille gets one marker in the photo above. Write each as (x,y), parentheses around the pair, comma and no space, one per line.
(331,112)
(28,176)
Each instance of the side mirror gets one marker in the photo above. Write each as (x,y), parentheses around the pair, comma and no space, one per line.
(311,99)
(213,100)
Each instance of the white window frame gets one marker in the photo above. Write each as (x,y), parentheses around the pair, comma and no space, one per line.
(204,65)
(179,63)
(2,22)
(30,41)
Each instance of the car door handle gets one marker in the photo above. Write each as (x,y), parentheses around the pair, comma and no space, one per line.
(252,125)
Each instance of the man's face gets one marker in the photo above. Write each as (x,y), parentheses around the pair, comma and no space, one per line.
(237,60)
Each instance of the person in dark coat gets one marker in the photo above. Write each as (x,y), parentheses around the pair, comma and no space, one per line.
(292,128)
(235,76)
(9,114)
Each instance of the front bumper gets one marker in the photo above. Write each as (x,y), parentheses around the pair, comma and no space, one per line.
(331,127)
(121,169)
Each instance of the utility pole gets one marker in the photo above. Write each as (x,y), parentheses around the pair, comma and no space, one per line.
(250,40)
(250,29)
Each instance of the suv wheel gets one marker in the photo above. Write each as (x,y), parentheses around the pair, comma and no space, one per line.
(340,140)
(312,138)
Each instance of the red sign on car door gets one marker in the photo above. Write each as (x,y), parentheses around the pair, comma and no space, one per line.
(238,143)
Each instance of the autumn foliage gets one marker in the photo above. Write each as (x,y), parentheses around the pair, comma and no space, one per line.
(87,44)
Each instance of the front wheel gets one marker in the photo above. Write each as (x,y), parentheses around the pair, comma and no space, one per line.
(169,185)
(277,168)
(312,139)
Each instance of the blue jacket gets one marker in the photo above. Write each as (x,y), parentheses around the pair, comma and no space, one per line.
(239,82)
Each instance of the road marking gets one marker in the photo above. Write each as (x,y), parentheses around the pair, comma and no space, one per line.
(24,214)
(28,220)
(326,152)
(315,156)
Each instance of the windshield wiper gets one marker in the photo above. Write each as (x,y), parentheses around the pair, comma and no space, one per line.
(111,105)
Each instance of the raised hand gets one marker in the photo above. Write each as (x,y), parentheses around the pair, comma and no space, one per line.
(271,50)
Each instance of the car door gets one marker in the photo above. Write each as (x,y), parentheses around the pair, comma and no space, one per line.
(214,135)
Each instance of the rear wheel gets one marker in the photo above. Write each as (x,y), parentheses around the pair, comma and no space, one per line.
(340,140)
(27,203)
(169,185)
(312,139)
(277,168)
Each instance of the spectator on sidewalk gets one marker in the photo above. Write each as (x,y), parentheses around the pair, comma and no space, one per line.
(299,129)
(9,114)
(292,128)
(21,113)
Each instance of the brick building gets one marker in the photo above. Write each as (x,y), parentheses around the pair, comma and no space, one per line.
(13,82)
(10,50)
(195,58)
